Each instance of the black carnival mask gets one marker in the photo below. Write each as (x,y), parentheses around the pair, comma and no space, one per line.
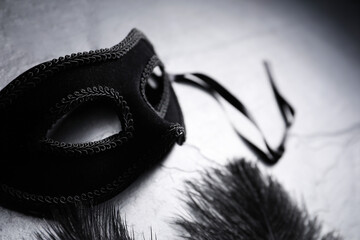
(38,172)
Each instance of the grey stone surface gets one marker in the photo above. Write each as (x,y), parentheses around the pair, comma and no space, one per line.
(315,63)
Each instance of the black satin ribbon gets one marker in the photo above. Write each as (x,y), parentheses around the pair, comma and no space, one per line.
(211,86)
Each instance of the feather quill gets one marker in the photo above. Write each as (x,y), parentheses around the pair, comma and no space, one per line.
(239,202)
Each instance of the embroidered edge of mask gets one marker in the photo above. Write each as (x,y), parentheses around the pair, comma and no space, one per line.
(42,172)
(39,172)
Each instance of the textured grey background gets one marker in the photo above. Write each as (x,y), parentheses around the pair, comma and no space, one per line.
(315,57)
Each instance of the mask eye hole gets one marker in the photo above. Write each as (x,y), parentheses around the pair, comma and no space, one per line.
(154,87)
(91,121)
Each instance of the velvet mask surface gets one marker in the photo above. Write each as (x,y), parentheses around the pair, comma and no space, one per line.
(37,171)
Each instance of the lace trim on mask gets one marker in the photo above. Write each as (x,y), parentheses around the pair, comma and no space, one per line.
(165,98)
(85,95)
(37,74)
(118,184)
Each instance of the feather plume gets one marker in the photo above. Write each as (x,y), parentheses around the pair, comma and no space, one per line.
(101,222)
(238,202)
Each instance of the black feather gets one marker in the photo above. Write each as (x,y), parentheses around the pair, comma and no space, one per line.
(238,202)
(86,223)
